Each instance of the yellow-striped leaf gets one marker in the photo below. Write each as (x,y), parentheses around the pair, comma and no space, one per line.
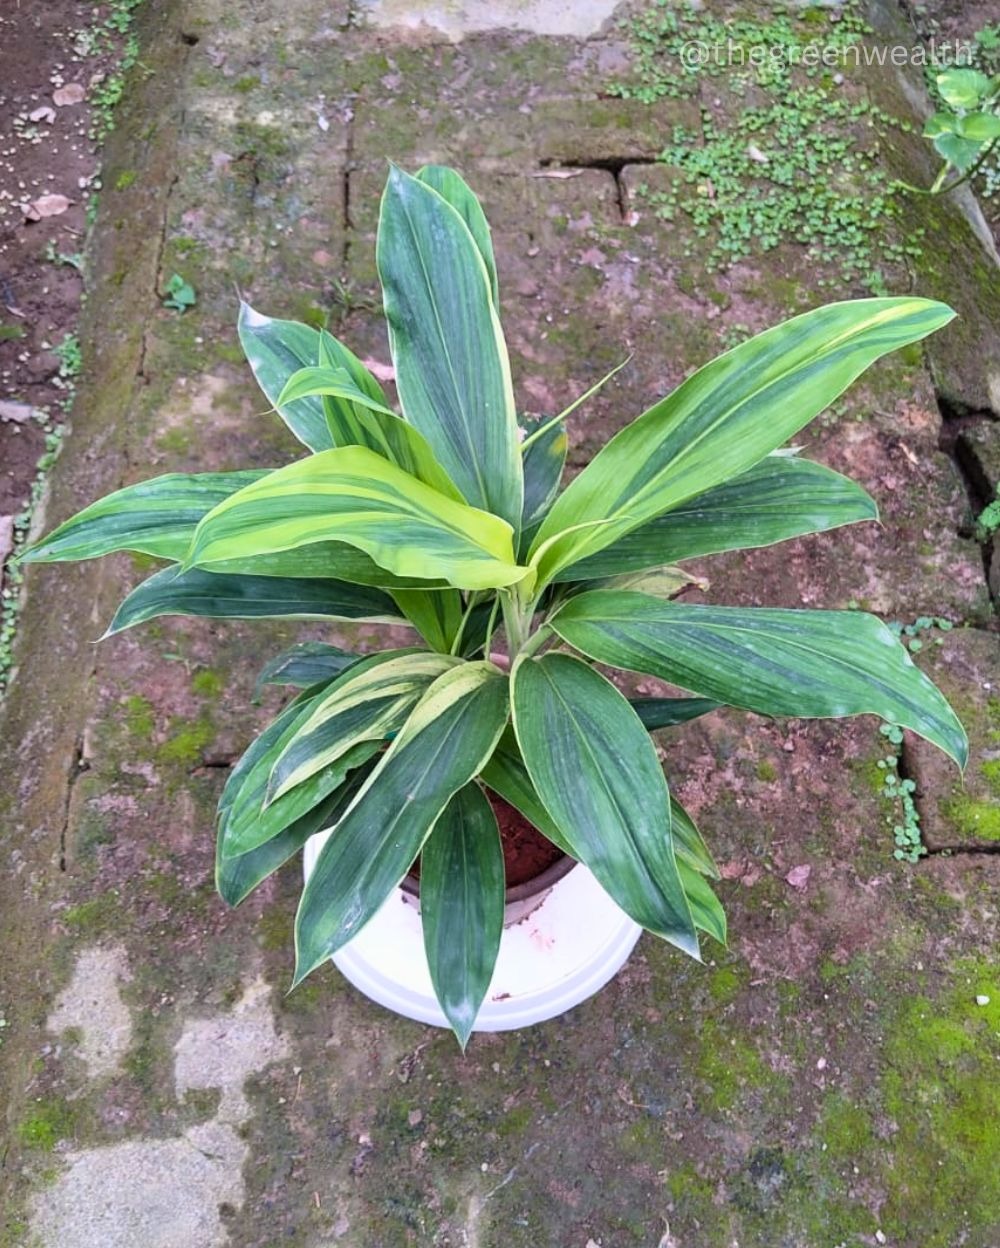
(808,664)
(444,743)
(452,370)
(367,705)
(725,418)
(353,495)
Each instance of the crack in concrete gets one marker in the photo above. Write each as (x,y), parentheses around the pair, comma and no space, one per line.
(77,766)
(348,224)
(615,165)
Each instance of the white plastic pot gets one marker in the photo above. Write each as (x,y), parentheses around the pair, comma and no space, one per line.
(564,951)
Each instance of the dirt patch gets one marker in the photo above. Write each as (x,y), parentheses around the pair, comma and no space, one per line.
(62,66)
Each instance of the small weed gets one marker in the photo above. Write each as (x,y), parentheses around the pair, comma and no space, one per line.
(180,294)
(988,521)
(788,168)
(70,357)
(73,259)
(899,792)
(910,634)
(125,179)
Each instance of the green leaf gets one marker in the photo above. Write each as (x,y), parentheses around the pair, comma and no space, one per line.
(329,381)
(364,422)
(960,153)
(724,419)
(506,774)
(194,592)
(688,844)
(236,878)
(595,768)
(544,460)
(305,664)
(366,705)
(245,821)
(333,354)
(982,127)
(453,188)
(706,909)
(326,560)
(941,123)
(446,740)
(808,664)
(436,614)
(962,88)
(779,498)
(355,496)
(668,712)
(155,517)
(452,371)
(275,350)
(461,906)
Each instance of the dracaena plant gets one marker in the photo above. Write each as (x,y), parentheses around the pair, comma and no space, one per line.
(447,515)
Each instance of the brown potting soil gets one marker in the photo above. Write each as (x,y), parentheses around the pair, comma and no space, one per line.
(526,853)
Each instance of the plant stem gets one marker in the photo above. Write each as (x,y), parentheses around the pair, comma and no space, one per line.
(473,600)
(490,625)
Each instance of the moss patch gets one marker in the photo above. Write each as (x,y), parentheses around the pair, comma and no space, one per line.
(51,1119)
(942,1092)
(975,819)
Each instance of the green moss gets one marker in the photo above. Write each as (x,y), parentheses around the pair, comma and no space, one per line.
(767,773)
(973,818)
(641,1141)
(941,1090)
(125,179)
(274,929)
(991,774)
(516,1120)
(51,1120)
(207,684)
(187,741)
(143,563)
(138,717)
(845,1129)
(176,441)
(728,1065)
(725,983)
(94,916)
(246,84)
(10,333)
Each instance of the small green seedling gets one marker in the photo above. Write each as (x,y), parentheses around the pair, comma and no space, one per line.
(180,294)
(966,130)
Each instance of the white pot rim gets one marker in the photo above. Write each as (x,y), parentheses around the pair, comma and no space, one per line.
(562,953)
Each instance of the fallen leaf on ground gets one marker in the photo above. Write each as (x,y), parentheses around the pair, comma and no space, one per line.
(798,877)
(46,206)
(43,114)
(71,93)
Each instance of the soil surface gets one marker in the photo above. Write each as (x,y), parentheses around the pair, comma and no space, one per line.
(526,852)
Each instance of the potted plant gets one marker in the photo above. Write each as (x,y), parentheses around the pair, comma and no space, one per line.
(448,515)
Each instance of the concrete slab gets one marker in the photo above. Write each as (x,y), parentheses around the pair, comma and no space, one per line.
(569,18)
